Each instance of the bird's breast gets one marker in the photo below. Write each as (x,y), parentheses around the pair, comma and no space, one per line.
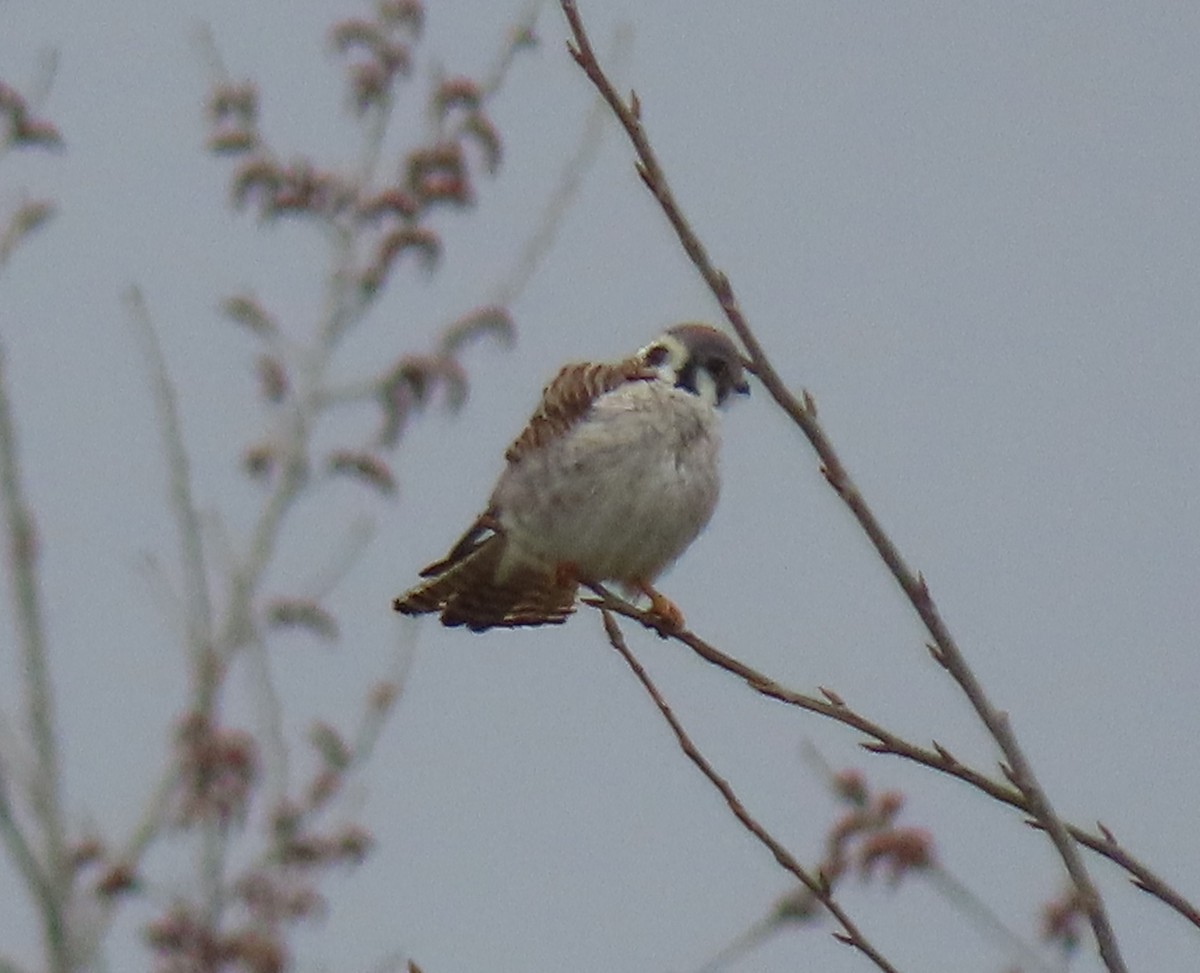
(623,492)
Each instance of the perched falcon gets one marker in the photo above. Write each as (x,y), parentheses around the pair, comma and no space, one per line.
(614,476)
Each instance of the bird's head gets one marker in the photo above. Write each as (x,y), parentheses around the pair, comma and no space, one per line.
(698,359)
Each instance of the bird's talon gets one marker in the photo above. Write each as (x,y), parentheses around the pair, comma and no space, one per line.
(663,611)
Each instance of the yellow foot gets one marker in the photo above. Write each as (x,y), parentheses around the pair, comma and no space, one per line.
(662,608)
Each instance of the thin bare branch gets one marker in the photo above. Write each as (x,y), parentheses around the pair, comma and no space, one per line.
(53,888)
(567,188)
(45,73)
(197,603)
(820,889)
(805,418)
(884,741)
(849,786)
(150,825)
(520,36)
(964,900)
(19,849)
(269,711)
(27,219)
(747,940)
(381,702)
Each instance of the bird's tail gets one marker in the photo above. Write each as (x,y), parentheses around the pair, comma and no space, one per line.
(467,590)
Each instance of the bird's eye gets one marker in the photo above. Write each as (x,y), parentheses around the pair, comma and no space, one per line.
(656,355)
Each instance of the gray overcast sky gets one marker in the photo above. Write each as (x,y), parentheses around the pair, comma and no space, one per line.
(969,230)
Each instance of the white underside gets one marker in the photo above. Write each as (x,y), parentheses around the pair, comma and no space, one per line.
(623,493)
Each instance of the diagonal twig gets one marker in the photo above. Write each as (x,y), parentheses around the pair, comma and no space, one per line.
(817,884)
(197,603)
(883,741)
(565,190)
(803,414)
(16,843)
(53,887)
(46,782)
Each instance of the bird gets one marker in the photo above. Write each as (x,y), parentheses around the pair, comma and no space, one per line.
(612,478)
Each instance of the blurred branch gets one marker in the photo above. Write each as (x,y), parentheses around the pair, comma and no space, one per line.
(128,858)
(565,191)
(44,77)
(269,713)
(520,36)
(198,613)
(22,854)
(53,889)
(747,940)
(20,127)
(804,415)
(884,741)
(381,703)
(877,810)
(866,838)
(963,899)
(29,217)
(817,884)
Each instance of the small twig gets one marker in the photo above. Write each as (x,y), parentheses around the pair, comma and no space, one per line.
(28,218)
(374,718)
(375,129)
(272,740)
(955,892)
(46,778)
(885,742)
(1139,874)
(345,554)
(804,415)
(21,852)
(205,44)
(39,89)
(520,35)
(198,613)
(153,819)
(963,899)
(46,71)
(852,936)
(745,941)
(567,188)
